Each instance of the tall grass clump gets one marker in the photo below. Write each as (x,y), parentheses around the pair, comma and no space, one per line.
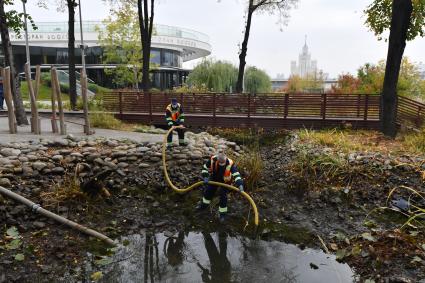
(251,165)
(415,142)
(104,120)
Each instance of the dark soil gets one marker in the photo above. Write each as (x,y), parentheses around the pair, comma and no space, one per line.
(291,208)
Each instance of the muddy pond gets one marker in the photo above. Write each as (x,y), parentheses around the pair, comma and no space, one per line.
(215,257)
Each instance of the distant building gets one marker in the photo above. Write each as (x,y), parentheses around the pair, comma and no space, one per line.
(422,70)
(305,67)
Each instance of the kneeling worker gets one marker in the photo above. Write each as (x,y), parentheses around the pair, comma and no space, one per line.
(175,117)
(219,169)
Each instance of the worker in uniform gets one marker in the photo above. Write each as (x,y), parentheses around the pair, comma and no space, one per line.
(219,168)
(175,117)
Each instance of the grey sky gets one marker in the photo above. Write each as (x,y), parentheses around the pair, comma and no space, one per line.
(337,37)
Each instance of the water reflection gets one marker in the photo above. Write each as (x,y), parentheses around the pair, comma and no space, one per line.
(218,257)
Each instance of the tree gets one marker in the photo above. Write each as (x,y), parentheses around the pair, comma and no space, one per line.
(70,6)
(405,22)
(311,83)
(12,20)
(280,7)
(346,84)
(257,81)
(121,44)
(146,30)
(217,76)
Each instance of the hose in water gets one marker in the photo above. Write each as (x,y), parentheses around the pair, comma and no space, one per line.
(200,183)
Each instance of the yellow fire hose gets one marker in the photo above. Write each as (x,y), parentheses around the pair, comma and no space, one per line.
(200,183)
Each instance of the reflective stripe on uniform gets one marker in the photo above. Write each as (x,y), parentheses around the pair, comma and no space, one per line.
(237,179)
(222,209)
(204,200)
(236,174)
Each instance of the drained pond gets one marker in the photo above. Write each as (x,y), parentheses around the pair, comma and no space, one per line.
(214,257)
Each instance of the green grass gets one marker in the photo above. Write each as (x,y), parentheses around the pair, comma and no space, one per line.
(105,121)
(45,92)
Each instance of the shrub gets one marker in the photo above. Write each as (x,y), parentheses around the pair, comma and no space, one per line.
(251,166)
(104,120)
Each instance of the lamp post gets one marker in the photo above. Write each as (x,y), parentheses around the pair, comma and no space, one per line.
(27,49)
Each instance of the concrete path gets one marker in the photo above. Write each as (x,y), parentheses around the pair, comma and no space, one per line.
(24,133)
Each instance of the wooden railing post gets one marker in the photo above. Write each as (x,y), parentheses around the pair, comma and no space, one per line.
(323,106)
(150,107)
(35,121)
(214,108)
(366,107)
(286,106)
(418,117)
(249,105)
(120,103)
(358,105)
(55,80)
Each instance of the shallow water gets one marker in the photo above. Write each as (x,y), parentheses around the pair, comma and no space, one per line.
(218,257)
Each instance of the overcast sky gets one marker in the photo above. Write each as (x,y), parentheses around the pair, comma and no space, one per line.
(336,35)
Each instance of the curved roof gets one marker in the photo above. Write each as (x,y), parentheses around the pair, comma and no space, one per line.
(191,43)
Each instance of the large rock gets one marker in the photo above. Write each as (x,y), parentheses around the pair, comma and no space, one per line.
(39,165)
(10,152)
(5,182)
(57,158)
(120,153)
(58,170)
(4,161)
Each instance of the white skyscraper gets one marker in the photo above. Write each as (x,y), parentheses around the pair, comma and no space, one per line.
(305,66)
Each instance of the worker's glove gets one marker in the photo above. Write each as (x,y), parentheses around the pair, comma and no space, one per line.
(241,188)
(206,180)
(177,123)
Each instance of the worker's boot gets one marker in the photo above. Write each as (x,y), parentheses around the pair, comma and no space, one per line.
(182,143)
(169,145)
(222,217)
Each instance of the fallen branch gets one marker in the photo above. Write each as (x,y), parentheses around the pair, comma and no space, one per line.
(38,209)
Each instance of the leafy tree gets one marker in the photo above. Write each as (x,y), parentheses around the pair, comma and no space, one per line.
(121,44)
(346,84)
(406,20)
(217,76)
(257,81)
(13,20)
(312,83)
(370,80)
(279,7)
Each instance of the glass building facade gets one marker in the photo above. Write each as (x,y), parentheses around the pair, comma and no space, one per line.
(171,46)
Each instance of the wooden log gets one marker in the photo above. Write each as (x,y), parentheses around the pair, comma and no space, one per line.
(7,92)
(38,209)
(54,117)
(83,83)
(59,99)
(37,81)
(34,111)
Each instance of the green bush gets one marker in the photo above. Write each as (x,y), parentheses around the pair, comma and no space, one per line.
(104,120)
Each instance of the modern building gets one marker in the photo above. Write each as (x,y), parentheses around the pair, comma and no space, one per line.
(171,46)
(305,66)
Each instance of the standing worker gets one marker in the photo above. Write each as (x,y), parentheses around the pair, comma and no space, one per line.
(219,169)
(175,117)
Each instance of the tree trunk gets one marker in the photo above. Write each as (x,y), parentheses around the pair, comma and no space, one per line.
(21,117)
(71,55)
(242,55)
(146,29)
(400,21)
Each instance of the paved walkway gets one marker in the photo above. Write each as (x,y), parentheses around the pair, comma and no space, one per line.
(24,132)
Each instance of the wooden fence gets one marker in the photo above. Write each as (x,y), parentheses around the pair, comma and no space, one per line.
(271,110)
(410,112)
